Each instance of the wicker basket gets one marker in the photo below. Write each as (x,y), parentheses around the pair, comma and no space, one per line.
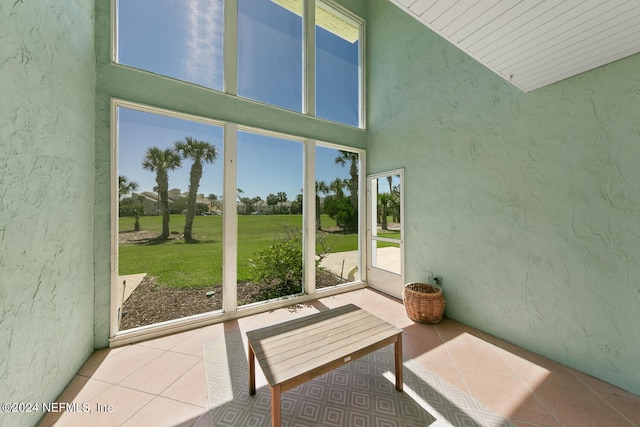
(424,302)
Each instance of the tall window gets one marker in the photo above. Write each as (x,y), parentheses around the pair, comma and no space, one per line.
(212,215)
(270,54)
(270,246)
(337,220)
(338,66)
(170,173)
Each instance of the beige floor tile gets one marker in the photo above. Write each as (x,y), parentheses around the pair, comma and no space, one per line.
(530,372)
(426,351)
(532,411)
(160,373)
(532,367)
(448,373)
(79,391)
(470,353)
(579,407)
(193,344)
(165,412)
(165,343)
(628,405)
(190,387)
(502,394)
(162,381)
(449,329)
(114,366)
(598,385)
(123,402)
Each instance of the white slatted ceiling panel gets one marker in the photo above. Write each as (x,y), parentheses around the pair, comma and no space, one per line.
(533,43)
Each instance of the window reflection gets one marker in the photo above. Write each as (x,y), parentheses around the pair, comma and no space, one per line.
(183,40)
(270,54)
(337,66)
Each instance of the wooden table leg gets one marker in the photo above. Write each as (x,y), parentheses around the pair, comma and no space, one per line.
(398,352)
(252,371)
(275,406)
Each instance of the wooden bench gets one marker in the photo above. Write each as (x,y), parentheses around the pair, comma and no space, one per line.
(294,352)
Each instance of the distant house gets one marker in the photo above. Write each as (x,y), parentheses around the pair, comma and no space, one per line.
(177,202)
(262,207)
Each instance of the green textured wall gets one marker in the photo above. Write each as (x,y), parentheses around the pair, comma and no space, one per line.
(527,204)
(115,81)
(47,74)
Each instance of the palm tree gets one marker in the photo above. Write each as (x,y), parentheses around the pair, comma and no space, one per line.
(161,161)
(199,152)
(384,203)
(337,186)
(125,186)
(351,158)
(272,200)
(282,197)
(321,187)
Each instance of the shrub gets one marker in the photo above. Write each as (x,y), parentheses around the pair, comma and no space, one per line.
(134,211)
(280,267)
(342,212)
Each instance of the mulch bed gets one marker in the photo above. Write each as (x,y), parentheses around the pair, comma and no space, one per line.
(152,303)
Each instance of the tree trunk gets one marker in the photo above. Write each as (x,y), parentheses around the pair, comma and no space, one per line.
(194,183)
(384,224)
(318,222)
(163,183)
(353,184)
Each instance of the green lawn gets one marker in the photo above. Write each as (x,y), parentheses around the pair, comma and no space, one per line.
(199,265)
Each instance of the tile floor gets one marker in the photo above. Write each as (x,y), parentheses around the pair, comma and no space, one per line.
(161,382)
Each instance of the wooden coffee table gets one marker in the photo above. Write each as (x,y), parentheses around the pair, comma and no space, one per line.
(294,352)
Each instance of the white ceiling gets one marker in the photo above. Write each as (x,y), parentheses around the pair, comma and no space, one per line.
(533,43)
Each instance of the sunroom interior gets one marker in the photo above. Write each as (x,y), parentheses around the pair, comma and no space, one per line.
(520,187)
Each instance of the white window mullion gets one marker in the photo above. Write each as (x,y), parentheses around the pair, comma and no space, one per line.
(230,220)
(309,55)
(115,315)
(231,47)
(362,93)
(363,247)
(309,217)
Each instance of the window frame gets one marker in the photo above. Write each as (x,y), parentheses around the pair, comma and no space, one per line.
(361,57)
(230,57)
(230,309)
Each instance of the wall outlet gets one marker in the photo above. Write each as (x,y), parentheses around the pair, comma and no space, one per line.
(434,279)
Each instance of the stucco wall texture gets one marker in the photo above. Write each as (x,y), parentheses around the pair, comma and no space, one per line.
(47,74)
(527,204)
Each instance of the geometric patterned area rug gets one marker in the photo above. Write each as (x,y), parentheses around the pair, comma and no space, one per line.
(360,393)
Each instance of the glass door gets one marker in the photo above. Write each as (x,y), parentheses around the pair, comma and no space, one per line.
(385,262)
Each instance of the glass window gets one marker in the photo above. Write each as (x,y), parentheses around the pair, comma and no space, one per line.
(270,53)
(337,220)
(386,226)
(183,40)
(170,173)
(170,227)
(270,242)
(338,78)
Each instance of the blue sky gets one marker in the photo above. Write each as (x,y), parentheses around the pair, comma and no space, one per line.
(184,40)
